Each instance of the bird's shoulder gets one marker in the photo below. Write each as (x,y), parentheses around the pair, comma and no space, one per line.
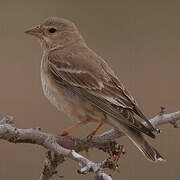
(77,65)
(78,58)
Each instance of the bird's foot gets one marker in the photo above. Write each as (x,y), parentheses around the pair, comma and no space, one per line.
(65,133)
(91,135)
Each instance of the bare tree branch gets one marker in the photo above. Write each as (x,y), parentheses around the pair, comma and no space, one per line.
(49,141)
(61,147)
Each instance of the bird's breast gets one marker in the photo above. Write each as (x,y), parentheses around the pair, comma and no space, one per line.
(65,100)
(50,91)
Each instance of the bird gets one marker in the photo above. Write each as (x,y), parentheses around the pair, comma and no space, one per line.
(80,83)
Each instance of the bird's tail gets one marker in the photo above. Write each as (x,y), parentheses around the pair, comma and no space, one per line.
(148,150)
(138,139)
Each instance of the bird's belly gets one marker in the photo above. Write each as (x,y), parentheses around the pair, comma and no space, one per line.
(63,100)
(72,105)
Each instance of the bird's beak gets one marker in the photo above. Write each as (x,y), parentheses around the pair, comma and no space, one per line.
(34,31)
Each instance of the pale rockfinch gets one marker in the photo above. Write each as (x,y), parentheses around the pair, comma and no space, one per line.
(80,83)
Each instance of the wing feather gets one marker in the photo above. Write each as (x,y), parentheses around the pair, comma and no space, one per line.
(108,94)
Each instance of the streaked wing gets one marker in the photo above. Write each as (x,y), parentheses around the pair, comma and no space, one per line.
(106,93)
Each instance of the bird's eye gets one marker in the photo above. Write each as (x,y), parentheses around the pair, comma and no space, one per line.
(52,30)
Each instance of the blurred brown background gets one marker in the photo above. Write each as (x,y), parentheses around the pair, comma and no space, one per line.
(140,40)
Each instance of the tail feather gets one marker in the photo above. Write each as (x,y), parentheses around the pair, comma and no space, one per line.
(148,150)
(138,139)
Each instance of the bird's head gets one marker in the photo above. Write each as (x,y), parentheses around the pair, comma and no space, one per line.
(54,32)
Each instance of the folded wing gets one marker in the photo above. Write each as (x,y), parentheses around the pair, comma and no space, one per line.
(97,83)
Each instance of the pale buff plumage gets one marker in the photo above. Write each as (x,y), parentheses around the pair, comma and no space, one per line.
(80,83)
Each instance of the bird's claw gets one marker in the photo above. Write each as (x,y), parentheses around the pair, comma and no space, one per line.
(64,133)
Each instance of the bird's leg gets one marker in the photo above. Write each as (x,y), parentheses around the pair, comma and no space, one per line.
(82,123)
(95,130)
